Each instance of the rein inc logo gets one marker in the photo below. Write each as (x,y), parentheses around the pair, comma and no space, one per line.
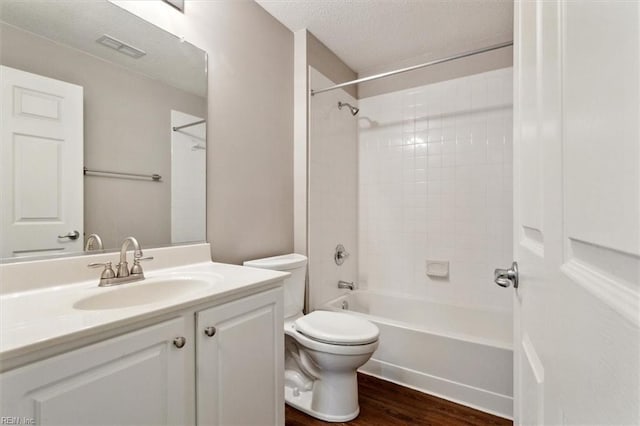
(8,420)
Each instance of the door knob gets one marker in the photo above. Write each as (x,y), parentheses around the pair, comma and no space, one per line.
(179,342)
(506,277)
(210,331)
(73,235)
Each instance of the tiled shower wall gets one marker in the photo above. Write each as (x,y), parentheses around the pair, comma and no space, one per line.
(435,182)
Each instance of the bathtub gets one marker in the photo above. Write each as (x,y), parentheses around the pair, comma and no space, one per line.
(457,353)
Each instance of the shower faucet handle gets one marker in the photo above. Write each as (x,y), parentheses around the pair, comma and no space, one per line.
(340,255)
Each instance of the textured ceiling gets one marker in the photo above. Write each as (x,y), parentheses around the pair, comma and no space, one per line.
(369,34)
(80,24)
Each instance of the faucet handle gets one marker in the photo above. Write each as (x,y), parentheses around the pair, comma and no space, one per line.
(136,269)
(340,254)
(107,273)
(138,259)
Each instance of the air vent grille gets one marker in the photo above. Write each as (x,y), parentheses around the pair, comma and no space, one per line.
(120,46)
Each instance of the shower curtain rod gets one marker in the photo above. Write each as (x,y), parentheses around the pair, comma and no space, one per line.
(414,67)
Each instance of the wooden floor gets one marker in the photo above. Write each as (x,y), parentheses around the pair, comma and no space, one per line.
(386,404)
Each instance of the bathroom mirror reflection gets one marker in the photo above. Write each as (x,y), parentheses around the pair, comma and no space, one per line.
(103,130)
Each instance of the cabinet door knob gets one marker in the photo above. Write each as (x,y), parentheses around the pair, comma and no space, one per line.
(179,342)
(210,331)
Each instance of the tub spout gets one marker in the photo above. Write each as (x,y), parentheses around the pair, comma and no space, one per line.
(346,284)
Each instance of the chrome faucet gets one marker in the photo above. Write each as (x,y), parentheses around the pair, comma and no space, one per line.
(123,266)
(123,274)
(346,284)
(94,242)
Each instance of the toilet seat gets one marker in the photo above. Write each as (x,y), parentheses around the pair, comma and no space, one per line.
(328,348)
(336,328)
(334,333)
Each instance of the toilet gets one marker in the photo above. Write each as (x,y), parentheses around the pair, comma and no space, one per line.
(323,349)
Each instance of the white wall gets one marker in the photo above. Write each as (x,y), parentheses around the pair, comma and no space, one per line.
(333,190)
(435,182)
(309,52)
(250,121)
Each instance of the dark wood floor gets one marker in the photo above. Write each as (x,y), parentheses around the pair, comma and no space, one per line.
(387,404)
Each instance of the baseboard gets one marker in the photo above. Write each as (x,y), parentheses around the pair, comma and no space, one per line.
(480,399)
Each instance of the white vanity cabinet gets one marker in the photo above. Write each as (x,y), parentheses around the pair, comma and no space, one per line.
(239,362)
(137,378)
(148,377)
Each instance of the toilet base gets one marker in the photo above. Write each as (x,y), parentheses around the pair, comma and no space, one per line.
(303,400)
(320,378)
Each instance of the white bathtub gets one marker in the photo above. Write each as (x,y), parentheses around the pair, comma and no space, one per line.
(461,354)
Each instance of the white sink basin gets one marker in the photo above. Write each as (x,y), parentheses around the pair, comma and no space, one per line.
(142,293)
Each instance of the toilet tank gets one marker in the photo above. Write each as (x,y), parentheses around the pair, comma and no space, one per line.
(296,264)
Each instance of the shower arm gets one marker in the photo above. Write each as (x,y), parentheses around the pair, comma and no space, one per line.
(352,109)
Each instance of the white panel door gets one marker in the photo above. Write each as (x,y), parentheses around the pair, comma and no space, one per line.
(577,213)
(239,362)
(41,156)
(139,378)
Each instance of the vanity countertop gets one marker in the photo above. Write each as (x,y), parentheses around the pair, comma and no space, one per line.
(38,319)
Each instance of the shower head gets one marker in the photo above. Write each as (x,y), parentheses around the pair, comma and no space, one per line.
(353,109)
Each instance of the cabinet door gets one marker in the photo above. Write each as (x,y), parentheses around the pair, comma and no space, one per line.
(240,366)
(135,379)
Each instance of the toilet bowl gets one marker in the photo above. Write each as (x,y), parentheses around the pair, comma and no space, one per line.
(323,349)
(321,363)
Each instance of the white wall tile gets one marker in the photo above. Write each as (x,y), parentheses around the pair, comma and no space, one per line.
(435,182)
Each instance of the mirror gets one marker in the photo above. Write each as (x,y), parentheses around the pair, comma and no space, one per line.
(103,130)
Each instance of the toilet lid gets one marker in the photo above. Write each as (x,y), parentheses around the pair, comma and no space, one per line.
(337,328)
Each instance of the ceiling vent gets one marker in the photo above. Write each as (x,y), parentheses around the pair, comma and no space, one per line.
(122,47)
